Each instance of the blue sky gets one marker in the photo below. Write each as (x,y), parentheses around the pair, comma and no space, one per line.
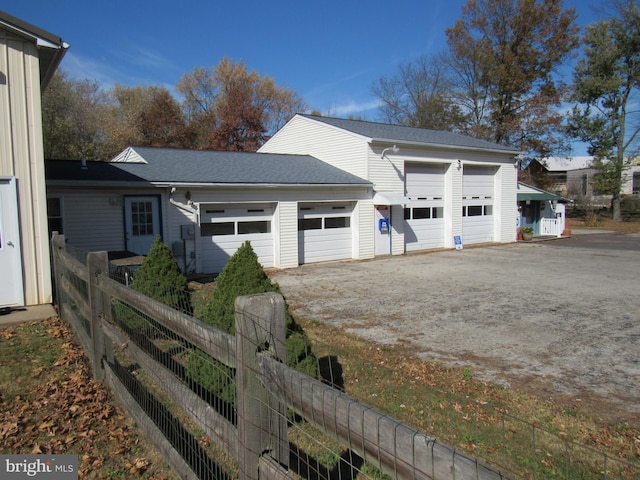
(330,52)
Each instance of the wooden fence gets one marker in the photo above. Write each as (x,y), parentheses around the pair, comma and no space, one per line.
(267,390)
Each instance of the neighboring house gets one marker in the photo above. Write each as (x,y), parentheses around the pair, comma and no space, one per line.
(429,186)
(572,178)
(204,204)
(540,210)
(29,57)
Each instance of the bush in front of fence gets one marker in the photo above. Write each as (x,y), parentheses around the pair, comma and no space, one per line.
(244,275)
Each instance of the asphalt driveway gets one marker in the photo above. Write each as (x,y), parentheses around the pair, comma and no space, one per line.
(558,318)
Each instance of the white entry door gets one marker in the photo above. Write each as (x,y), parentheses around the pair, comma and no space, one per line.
(11,288)
(382,239)
(142,223)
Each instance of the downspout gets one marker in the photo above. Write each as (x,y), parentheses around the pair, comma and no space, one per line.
(192,209)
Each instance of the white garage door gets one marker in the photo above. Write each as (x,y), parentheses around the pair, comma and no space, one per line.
(324,232)
(477,204)
(424,216)
(224,228)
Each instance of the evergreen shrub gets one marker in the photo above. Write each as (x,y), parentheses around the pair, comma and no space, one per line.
(160,278)
(244,275)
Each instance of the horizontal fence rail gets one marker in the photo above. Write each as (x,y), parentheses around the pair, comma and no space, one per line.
(227,406)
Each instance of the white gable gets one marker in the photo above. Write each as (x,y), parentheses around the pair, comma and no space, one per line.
(128,156)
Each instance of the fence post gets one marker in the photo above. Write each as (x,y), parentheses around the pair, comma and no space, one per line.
(57,242)
(262,422)
(98,264)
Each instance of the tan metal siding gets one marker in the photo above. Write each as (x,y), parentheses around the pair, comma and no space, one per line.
(22,155)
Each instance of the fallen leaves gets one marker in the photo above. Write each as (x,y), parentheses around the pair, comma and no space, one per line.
(66,412)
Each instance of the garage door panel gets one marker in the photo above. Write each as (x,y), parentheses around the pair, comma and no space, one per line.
(324,232)
(323,245)
(424,234)
(424,181)
(478,196)
(478,230)
(225,228)
(218,249)
(424,222)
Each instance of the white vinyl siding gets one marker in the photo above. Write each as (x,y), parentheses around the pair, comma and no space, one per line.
(478,198)
(324,232)
(306,136)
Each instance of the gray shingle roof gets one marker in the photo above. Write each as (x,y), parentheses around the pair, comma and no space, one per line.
(399,133)
(165,165)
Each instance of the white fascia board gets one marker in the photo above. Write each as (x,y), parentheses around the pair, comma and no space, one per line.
(446,147)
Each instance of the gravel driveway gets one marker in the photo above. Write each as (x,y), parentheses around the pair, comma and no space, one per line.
(560,319)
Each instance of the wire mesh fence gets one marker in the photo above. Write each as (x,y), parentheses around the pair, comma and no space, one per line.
(359,418)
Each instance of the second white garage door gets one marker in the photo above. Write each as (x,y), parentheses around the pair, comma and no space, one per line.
(324,232)
(424,216)
(477,204)
(224,228)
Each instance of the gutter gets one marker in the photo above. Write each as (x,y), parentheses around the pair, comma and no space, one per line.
(98,183)
(445,146)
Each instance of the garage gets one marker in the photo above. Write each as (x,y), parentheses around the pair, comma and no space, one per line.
(478,184)
(424,215)
(224,227)
(324,232)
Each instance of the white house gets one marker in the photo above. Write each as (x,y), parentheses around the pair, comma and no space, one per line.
(29,57)
(429,186)
(204,204)
(377,189)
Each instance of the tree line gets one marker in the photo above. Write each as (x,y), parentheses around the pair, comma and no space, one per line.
(503,78)
(225,107)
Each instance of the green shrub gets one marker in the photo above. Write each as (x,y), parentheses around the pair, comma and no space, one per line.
(160,278)
(630,205)
(243,275)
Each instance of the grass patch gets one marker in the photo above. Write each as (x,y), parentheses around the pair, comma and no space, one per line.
(521,433)
(49,404)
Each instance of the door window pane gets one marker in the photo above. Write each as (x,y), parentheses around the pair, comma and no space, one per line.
(475,210)
(419,213)
(258,226)
(310,224)
(142,218)
(220,228)
(337,222)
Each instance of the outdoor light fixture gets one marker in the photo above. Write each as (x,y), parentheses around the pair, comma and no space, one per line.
(394,149)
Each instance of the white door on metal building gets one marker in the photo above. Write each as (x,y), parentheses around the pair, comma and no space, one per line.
(11,287)
(142,223)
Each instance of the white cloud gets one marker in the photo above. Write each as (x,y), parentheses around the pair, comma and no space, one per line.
(355,108)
